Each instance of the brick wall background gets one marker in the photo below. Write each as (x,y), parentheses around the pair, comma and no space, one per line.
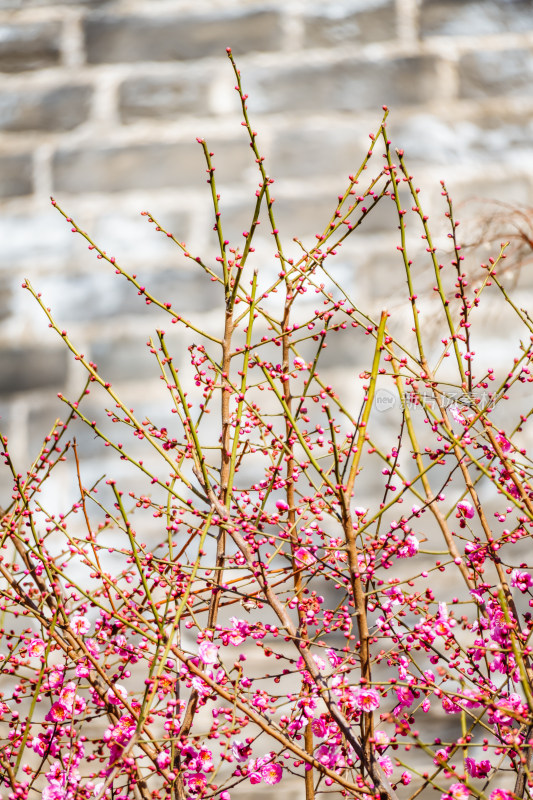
(101,102)
(100,105)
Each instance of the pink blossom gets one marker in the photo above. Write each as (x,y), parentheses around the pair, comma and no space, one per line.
(522,580)
(80,625)
(163,759)
(205,760)
(476,770)
(409,548)
(505,445)
(116,694)
(386,765)
(36,648)
(241,752)
(457,791)
(304,557)
(82,669)
(456,414)
(56,676)
(238,633)
(281,505)
(500,794)
(208,652)
(195,781)
(441,757)
(271,773)
(381,738)
(68,695)
(58,713)
(366,699)
(93,647)
(318,727)
(465,509)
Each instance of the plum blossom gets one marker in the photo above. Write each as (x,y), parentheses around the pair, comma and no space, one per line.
(409,548)
(163,759)
(522,580)
(456,414)
(386,765)
(80,625)
(116,694)
(58,713)
(265,769)
(366,699)
(304,557)
(195,782)
(241,752)
(465,509)
(36,648)
(208,652)
(477,770)
(457,791)
(271,773)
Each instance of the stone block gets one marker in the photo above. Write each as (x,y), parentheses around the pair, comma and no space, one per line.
(162,97)
(16,175)
(104,295)
(336,25)
(23,369)
(132,240)
(6,297)
(350,85)
(59,109)
(144,166)
(12,5)
(31,237)
(124,359)
(115,39)
(30,46)
(474,17)
(488,73)
(310,151)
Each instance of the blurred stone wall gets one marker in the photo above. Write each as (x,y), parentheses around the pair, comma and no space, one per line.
(101,102)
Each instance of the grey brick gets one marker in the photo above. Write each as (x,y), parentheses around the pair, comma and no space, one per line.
(434,140)
(16,175)
(25,368)
(6,294)
(28,238)
(310,215)
(338,25)
(124,359)
(114,39)
(150,166)
(17,4)
(348,86)
(303,152)
(496,72)
(89,297)
(32,46)
(460,17)
(59,109)
(156,97)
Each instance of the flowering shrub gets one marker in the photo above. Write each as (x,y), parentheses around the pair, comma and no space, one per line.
(393,634)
